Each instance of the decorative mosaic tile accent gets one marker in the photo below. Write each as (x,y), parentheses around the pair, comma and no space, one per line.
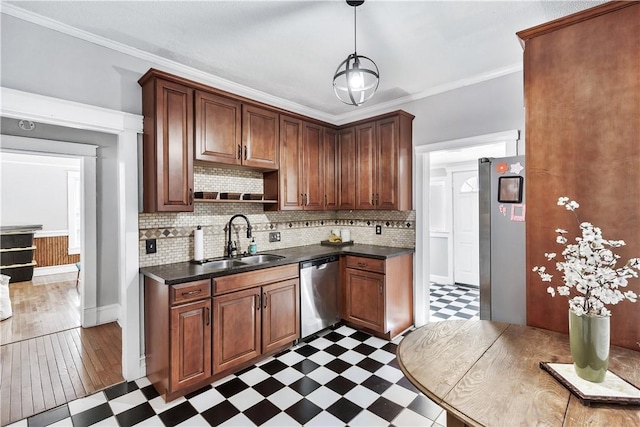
(174,231)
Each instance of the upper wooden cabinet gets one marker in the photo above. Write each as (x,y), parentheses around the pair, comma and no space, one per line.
(260,140)
(313,166)
(383,159)
(331,164)
(300,179)
(231,133)
(306,165)
(167,145)
(347,169)
(218,127)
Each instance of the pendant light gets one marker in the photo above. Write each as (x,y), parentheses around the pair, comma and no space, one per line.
(357,77)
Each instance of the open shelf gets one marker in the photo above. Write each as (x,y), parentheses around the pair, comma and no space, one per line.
(264,202)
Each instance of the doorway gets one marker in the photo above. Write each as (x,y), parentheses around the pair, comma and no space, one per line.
(51,301)
(437,166)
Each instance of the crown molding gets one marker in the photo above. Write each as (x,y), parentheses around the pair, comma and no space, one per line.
(242,90)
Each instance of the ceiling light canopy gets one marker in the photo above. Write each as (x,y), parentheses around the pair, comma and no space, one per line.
(357,77)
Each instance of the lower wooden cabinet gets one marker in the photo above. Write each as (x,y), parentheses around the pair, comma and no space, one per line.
(190,344)
(236,331)
(365,298)
(251,322)
(177,335)
(378,294)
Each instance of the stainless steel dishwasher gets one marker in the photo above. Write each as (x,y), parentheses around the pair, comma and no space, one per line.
(318,294)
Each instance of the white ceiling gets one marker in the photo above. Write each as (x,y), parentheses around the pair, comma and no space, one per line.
(290,49)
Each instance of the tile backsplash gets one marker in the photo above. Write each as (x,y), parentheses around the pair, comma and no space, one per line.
(174,231)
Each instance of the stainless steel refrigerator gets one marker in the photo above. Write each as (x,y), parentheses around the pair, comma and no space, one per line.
(502,239)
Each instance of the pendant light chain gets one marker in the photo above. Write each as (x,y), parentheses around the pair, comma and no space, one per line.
(355,32)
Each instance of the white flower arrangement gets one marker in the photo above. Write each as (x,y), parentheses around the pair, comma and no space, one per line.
(589,269)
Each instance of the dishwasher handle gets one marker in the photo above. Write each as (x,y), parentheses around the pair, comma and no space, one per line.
(319,263)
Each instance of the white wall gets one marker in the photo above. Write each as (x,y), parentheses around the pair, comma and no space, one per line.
(33,190)
(492,106)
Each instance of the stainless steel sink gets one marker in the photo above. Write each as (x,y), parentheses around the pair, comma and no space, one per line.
(223,264)
(259,259)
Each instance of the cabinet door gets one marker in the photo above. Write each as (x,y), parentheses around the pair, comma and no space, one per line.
(236,328)
(190,344)
(366,166)
(218,124)
(312,167)
(259,137)
(347,177)
(331,154)
(364,299)
(291,192)
(280,314)
(174,147)
(387,152)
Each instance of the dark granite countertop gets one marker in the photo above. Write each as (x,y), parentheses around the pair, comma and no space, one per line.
(182,272)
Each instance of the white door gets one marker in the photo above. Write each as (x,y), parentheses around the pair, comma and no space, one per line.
(465,228)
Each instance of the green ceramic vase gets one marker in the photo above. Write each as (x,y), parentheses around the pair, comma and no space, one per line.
(589,341)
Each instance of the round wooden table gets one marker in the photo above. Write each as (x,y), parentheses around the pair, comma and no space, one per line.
(487,373)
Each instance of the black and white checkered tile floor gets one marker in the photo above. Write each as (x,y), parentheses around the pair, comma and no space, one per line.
(341,377)
(345,377)
(453,301)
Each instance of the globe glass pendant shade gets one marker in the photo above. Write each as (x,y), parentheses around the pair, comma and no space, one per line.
(356,79)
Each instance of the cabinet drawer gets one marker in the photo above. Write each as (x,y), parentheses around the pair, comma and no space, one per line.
(191,291)
(368,264)
(222,285)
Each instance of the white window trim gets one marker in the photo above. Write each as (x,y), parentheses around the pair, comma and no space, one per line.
(74,212)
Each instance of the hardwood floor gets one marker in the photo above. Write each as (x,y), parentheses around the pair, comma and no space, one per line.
(47,359)
(41,306)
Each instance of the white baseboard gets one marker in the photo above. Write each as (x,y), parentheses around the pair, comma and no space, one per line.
(54,269)
(443,280)
(101,315)
(143,366)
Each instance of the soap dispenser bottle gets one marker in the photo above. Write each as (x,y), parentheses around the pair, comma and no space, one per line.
(253,248)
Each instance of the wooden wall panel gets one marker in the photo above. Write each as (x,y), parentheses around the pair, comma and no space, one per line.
(52,251)
(582,99)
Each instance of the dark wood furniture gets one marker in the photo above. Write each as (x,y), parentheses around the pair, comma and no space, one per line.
(307,164)
(167,145)
(582,99)
(378,294)
(383,163)
(254,313)
(347,177)
(487,374)
(177,335)
(17,250)
(197,332)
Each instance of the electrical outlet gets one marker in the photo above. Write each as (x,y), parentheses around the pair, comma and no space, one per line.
(274,236)
(378,229)
(151,246)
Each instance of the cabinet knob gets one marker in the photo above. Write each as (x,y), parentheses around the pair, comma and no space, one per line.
(239,151)
(326,203)
(257,302)
(265,299)
(380,288)
(208,317)
(245,152)
(373,199)
(186,294)
(191,196)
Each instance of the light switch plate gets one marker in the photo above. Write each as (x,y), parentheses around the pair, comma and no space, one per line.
(378,229)
(150,246)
